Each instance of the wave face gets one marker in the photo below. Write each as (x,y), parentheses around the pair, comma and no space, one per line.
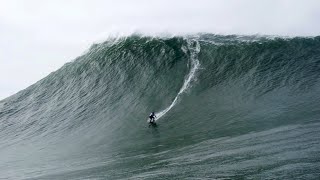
(227,106)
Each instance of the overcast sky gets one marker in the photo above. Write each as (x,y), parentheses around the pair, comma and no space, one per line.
(39,36)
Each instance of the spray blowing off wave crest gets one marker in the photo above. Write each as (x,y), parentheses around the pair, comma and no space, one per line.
(255,99)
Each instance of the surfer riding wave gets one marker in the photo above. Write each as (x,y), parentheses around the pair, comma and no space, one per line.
(152,117)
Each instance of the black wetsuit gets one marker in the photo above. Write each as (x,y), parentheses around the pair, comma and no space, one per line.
(152,117)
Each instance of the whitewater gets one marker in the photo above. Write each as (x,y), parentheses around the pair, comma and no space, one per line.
(228,107)
(195,65)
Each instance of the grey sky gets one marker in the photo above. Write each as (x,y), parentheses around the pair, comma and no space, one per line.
(39,36)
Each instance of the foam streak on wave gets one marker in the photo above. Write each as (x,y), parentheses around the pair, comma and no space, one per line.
(194,48)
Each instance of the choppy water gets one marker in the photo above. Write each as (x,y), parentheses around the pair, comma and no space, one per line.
(228,107)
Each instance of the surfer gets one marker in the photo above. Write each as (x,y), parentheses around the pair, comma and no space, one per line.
(152,117)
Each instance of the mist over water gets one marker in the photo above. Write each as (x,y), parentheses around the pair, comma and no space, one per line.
(228,107)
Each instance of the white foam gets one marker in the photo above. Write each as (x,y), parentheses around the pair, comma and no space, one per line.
(194,48)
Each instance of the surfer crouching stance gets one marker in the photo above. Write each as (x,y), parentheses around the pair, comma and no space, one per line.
(152,117)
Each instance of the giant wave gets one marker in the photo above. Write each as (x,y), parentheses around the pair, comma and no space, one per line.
(228,107)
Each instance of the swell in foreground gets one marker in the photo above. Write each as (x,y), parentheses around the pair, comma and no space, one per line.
(228,107)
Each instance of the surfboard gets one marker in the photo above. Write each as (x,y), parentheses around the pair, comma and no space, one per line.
(148,121)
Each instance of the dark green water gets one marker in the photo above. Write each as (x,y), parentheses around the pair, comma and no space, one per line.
(229,107)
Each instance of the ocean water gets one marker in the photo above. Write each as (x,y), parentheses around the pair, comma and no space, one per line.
(228,107)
